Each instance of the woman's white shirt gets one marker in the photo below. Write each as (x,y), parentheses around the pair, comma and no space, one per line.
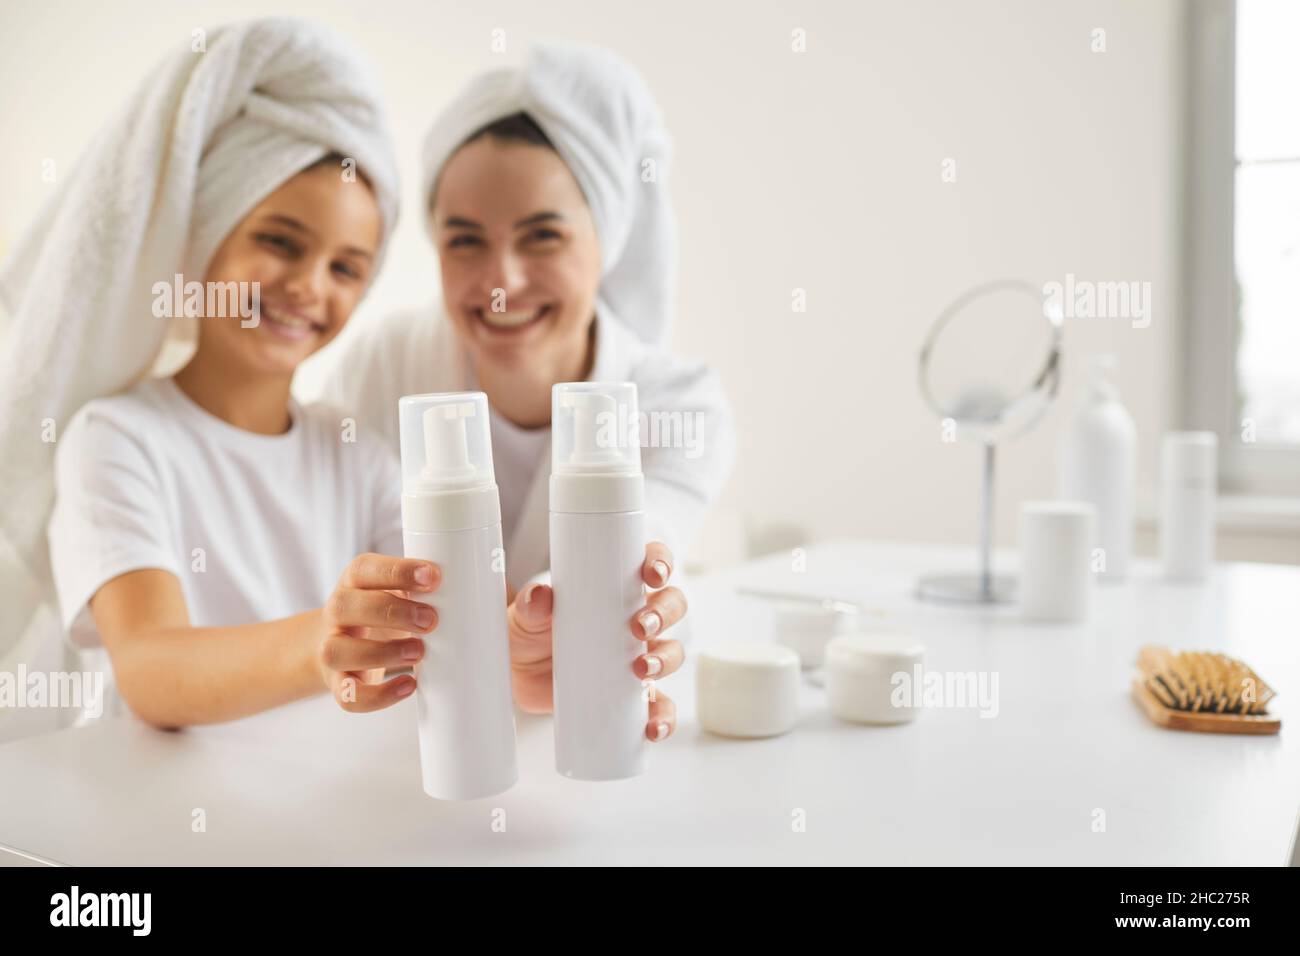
(254,527)
(515,454)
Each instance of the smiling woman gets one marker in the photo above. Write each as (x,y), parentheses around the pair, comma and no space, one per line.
(520,264)
(546,198)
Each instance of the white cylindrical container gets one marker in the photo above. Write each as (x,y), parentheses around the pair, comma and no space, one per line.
(1098,464)
(874,678)
(806,626)
(451,515)
(1188,477)
(1056,542)
(747,689)
(598,542)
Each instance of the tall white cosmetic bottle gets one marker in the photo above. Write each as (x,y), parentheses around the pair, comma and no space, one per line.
(451,515)
(597,550)
(1098,464)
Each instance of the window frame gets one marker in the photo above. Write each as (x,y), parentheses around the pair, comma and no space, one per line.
(1209,380)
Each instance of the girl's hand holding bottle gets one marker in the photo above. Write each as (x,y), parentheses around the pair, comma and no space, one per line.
(368,627)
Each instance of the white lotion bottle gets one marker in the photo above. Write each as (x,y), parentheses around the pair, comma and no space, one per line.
(597,550)
(451,515)
(1098,464)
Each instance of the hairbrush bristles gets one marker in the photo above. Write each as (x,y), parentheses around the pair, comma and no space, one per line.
(1196,690)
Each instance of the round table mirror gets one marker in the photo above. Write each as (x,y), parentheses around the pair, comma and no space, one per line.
(989,368)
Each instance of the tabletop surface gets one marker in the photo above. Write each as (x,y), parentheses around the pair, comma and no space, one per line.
(1068,770)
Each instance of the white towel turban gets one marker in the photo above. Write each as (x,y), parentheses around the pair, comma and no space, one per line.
(605,125)
(208,135)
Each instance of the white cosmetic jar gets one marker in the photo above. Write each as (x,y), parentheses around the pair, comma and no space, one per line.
(860,682)
(747,689)
(1056,542)
(805,628)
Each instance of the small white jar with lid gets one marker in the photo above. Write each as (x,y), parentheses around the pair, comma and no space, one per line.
(860,683)
(747,689)
(805,627)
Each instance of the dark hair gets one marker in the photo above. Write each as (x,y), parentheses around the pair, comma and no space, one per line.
(338,159)
(515,128)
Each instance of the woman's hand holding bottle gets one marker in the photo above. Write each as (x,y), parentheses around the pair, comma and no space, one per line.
(531,641)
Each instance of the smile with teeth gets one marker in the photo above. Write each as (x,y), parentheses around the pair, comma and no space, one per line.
(512,320)
(286,324)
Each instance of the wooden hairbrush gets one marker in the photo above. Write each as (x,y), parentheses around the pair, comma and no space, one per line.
(1195,690)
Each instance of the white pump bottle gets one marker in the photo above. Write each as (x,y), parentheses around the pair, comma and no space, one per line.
(597,550)
(1098,462)
(451,515)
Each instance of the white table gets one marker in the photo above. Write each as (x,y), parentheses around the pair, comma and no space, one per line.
(309,784)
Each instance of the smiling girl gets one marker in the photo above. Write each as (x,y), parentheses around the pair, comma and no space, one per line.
(215,536)
(222,511)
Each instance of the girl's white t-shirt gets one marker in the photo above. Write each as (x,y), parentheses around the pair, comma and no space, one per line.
(255,527)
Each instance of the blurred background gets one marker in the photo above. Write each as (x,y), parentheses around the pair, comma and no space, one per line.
(869,162)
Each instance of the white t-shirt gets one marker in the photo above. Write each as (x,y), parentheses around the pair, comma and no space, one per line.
(255,527)
(517,453)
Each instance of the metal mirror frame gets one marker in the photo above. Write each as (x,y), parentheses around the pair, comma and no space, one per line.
(985,587)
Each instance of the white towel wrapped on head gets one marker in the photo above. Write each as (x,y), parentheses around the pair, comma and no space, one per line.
(606,127)
(207,136)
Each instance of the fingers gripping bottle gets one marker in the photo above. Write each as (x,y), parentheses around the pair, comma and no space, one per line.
(597,549)
(451,515)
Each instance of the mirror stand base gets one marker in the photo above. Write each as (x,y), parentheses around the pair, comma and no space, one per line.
(966,589)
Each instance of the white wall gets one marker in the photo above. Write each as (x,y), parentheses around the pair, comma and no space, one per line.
(818,170)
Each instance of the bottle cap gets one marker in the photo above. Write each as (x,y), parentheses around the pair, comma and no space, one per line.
(446,442)
(594,429)
(1101,372)
(877,653)
(1192,455)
